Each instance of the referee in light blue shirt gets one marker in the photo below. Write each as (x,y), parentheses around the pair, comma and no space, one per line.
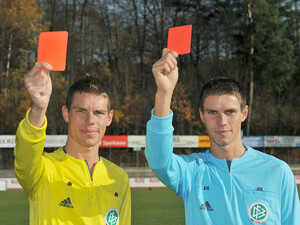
(229,183)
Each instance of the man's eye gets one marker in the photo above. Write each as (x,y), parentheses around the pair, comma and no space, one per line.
(230,111)
(211,112)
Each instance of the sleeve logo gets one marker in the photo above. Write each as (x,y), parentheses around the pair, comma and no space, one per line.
(258,212)
(111,217)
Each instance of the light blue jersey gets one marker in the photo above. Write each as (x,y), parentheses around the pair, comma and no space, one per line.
(258,188)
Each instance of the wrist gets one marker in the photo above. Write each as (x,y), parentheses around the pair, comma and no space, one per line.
(162,104)
(36,116)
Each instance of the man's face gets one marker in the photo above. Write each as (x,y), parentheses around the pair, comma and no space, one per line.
(87,119)
(222,117)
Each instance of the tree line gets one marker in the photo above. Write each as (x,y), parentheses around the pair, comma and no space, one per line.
(255,41)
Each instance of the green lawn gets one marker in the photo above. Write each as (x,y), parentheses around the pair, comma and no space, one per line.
(156,206)
(13,208)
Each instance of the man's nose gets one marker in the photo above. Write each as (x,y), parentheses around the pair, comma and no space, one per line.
(90,117)
(222,119)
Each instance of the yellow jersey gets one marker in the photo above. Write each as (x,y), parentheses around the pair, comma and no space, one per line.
(61,189)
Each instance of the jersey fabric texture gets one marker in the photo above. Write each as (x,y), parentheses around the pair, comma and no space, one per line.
(259,188)
(61,189)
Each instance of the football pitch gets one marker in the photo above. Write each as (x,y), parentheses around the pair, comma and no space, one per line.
(155,207)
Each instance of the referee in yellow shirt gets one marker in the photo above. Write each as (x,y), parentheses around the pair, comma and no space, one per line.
(72,185)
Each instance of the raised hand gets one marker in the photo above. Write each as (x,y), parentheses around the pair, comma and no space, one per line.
(39,87)
(165,73)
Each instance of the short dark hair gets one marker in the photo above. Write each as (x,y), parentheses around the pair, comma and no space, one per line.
(223,86)
(88,84)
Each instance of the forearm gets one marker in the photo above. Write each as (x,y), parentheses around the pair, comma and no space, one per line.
(162,104)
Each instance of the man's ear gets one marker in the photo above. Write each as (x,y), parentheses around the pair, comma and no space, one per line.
(110,117)
(201,115)
(245,113)
(65,113)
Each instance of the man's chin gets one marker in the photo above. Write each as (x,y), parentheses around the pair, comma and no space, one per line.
(90,144)
(221,142)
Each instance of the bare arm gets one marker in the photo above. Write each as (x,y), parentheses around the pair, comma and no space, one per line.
(39,87)
(165,73)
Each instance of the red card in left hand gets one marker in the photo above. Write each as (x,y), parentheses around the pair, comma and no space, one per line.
(179,39)
(52,49)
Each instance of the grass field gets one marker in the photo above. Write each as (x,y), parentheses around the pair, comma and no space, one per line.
(13,208)
(158,206)
(155,207)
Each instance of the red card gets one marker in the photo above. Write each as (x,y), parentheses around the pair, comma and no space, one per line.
(53,49)
(179,39)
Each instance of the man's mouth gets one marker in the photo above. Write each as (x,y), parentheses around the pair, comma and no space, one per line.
(89,132)
(222,132)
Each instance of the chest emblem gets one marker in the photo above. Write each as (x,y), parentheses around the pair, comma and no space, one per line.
(206,207)
(66,203)
(258,212)
(111,217)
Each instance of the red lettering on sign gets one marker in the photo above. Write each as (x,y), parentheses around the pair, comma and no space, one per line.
(139,180)
(153,180)
(14,181)
(114,141)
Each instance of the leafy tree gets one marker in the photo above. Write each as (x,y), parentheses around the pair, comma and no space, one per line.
(21,23)
(184,118)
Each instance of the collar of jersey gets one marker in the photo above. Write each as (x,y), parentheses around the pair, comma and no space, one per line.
(221,164)
(61,153)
